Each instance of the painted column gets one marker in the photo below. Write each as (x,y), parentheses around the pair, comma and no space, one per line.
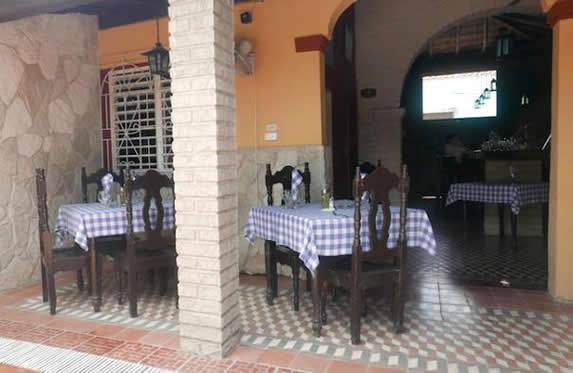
(561,199)
(202,72)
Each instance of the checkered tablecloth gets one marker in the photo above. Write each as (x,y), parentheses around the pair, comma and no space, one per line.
(312,232)
(515,195)
(87,220)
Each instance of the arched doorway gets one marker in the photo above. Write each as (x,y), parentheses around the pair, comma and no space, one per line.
(520,111)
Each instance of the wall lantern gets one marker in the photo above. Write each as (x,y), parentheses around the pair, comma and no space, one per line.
(486,93)
(503,43)
(158,58)
(493,85)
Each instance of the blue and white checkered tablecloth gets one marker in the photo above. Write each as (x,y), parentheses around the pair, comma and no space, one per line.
(312,232)
(516,195)
(87,220)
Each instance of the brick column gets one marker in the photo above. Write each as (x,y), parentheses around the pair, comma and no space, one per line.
(202,72)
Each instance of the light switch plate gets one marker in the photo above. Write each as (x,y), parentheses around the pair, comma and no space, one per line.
(271,127)
(271,136)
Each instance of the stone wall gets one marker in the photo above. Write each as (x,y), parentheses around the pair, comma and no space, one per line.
(252,192)
(49,118)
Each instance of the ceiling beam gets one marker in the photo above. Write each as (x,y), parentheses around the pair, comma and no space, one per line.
(511,28)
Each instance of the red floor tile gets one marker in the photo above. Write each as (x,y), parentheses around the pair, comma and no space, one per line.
(167,359)
(246,353)
(131,334)
(310,363)
(276,357)
(134,352)
(11,369)
(68,339)
(39,334)
(99,346)
(157,338)
(78,326)
(345,367)
(107,330)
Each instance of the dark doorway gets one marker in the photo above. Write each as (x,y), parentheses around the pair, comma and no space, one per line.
(340,79)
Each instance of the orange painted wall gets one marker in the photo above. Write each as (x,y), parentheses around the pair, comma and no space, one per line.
(287,87)
(127,43)
(561,201)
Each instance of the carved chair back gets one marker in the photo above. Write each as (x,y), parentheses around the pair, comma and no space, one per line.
(151,182)
(379,184)
(284,177)
(95,178)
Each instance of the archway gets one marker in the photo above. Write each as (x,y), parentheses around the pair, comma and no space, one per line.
(519,108)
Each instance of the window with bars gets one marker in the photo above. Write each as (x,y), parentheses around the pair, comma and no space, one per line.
(140,113)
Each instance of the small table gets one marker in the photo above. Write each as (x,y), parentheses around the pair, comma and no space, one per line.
(513,194)
(87,221)
(314,233)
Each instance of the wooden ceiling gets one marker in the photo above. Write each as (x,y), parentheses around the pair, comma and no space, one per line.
(481,33)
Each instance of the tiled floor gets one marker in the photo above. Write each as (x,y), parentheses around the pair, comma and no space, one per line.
(144,346)
(448,328)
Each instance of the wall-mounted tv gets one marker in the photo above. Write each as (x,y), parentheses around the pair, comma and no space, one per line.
(459,96)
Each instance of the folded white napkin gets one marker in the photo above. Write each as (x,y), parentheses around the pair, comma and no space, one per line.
(365,197)
(296,182)
(107,183)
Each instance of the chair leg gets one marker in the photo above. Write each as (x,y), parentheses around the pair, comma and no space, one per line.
(295,282)
(275,279)
(132,293)
(308,280)
(120,281)
(334,294)
(89,276)
(356,303)
(98,284)
(52,292)
(323,296)
(80,280)
(44,282)
(398,314)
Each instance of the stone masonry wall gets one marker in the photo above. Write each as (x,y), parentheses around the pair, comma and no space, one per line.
(49,118)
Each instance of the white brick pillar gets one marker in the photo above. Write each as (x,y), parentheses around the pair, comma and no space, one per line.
(203,102)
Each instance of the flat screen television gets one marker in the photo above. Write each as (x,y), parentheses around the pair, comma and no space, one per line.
(459,96)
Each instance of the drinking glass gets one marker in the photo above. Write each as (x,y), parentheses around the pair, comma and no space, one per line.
(287,198)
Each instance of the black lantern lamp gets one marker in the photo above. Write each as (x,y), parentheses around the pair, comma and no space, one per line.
(486,93)
(158,58)
(503,43)
(493,85)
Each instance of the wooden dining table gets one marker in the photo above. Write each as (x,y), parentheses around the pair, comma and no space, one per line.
(85,222)
(315,233)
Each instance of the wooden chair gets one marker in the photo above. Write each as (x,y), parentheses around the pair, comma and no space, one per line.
(281,254)
(111,246)
(156,251)
(52,259)
(370,269)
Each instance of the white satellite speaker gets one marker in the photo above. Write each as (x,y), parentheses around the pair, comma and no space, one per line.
(244,57)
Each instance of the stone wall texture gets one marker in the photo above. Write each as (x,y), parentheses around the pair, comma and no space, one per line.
(252,191)
(49,118)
